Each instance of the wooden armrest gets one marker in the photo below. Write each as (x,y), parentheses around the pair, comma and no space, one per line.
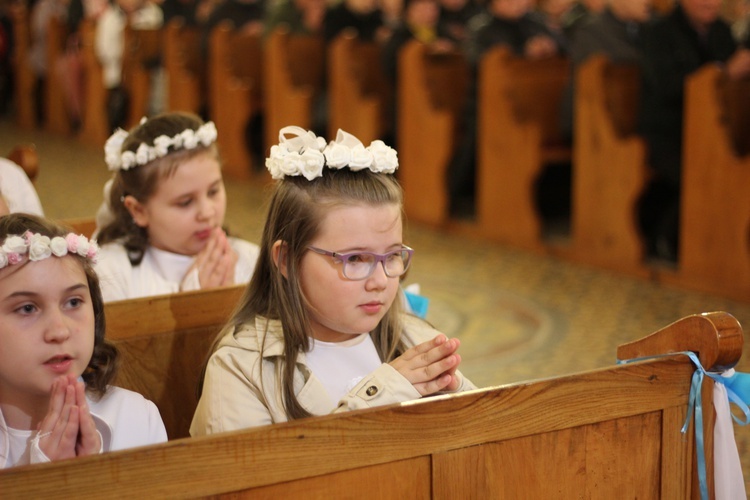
(717,340)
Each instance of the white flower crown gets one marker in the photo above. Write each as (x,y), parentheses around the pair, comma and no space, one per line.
(306,154)
(39,247)
(117,159)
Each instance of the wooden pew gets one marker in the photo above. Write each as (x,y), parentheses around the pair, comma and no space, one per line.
(235,94)
(609,168)
(141,56)
(358,93)
(431,88)
(56,114)
(184,66)
(293,78)
(714,254)
(163,343)
(26,157)
(94,120)
(24,80)
(82,225)
(607,433)
(518,137)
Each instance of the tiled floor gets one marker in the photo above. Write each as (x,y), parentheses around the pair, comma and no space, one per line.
(519,316)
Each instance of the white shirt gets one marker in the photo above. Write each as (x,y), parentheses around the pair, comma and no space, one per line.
(341,365)
(124,418)
(17,189)
(160,272)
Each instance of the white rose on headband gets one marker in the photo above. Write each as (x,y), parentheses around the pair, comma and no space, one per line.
(128,160)
(82,248)
(385,159)
(58,246)
(39,247)
(3,259)
(14,244)
(161,145)
(312,163)
(361,158)
(189,139)
(141,154)
(337,155)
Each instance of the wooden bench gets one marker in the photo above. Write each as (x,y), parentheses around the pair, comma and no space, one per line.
(24,80)
(607,433)
(518,136)
(293,78)
(235,94)
(141,56)
(26,157)
(94,120)
(81,225)
(714,254)
(163,343)
(56,113)
(431,95)
(609,168)
(358,93)
(184,67)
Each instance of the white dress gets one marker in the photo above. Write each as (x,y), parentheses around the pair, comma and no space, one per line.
(17,189)
(124,419)
(160,272)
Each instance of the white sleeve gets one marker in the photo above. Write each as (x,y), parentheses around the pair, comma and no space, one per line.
(17,189)
(114,271)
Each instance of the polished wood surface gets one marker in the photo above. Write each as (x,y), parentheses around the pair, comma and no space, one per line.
(611,432)
(164,342)
(714,251)
(609,168)
(184,67)
(235,94)
(518,137)
(431,95)
(359,96)
(142,55)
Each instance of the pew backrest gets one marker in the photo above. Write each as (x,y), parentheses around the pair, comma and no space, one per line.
(432,89)
(612,432)
(164,342)
(518,137)
(609,167)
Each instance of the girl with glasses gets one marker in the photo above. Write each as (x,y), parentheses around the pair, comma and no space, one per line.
(320,329)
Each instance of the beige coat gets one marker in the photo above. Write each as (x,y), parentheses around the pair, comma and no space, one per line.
(236,396)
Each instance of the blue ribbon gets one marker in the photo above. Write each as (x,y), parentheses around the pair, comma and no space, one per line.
(738,392)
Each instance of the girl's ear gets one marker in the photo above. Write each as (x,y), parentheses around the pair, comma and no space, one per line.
(279,254)
(137,211)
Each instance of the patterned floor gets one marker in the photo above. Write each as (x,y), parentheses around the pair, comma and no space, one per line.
(519,316)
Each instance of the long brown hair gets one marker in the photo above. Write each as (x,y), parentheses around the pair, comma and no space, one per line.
(103,365)
(296,211)
(141,181)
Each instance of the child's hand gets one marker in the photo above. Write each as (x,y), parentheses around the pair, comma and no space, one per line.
(59,429)
(89,439)
(431,366)
(216,262)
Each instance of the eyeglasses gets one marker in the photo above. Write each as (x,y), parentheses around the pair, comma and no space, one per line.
(360,265)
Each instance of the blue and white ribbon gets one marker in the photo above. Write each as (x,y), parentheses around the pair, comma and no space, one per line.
(738,392)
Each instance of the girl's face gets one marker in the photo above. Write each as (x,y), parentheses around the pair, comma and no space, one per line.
(185,208)
(47,326)
(338,307)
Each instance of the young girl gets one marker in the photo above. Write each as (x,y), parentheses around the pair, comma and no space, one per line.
(319,329)
(55,366)
(161,224)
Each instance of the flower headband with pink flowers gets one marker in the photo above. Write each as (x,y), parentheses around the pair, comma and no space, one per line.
(39,247)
